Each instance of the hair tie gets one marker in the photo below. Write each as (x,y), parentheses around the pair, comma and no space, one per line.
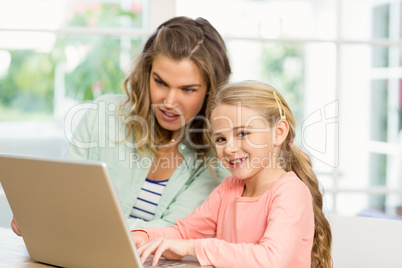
(290,142)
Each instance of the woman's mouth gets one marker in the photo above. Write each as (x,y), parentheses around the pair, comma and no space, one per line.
(169,116)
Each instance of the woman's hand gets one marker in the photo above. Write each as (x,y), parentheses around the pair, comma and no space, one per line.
(171,249)
(15,227)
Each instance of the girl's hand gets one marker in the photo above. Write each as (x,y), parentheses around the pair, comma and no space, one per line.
(140,238)
(15,227)
(171,249)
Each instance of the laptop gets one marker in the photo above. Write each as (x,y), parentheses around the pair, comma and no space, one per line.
(69,215)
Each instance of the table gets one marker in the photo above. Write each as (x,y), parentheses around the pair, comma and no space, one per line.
(13,252)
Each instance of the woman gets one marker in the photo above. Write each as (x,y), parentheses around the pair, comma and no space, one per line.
(152,138)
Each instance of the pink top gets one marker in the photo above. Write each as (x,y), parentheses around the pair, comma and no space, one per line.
(275,229)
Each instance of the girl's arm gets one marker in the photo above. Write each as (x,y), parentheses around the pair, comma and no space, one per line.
(288,236)
(177,240)
(171,249)
(201,223)
(186,201)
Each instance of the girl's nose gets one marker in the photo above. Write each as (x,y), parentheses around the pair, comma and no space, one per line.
(231,147)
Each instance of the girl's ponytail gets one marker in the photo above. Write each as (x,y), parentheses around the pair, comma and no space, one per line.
(300,163)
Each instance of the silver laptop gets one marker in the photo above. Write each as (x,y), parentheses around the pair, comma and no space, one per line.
(68,213)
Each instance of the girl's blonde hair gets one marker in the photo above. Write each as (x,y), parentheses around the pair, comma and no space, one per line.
(261,97)
(178,38)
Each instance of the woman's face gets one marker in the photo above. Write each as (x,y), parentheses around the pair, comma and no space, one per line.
(177,91)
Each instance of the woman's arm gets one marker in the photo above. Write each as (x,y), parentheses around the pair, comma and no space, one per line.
(86,136)
(15,228)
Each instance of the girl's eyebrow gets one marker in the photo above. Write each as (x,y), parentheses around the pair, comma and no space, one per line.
(160,78)
(226,129)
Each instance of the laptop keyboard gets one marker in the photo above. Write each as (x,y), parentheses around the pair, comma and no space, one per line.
(164,263)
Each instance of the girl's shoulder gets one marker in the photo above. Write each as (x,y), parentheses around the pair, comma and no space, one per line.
(230,184)
(289,178)
(290,183)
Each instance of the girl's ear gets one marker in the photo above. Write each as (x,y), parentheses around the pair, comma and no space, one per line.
(281,132)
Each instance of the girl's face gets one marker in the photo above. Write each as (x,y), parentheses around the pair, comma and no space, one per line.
(243,140)
(177,92)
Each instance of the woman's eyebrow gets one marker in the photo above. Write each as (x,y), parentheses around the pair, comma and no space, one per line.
(161,79)
(157,76)
(192,85)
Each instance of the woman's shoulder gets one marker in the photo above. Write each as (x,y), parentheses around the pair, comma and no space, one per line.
(111,104)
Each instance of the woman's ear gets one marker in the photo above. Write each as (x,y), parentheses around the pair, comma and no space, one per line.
(281,132)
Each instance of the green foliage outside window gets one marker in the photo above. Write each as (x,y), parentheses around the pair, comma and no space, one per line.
(27,88)
(283,66)
(99,72)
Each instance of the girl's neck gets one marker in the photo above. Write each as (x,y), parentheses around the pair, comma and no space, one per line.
(259,185)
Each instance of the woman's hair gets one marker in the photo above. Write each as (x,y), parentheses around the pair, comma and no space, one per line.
(179,38)
(260,97)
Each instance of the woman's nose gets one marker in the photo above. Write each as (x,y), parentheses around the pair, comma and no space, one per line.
(171,98)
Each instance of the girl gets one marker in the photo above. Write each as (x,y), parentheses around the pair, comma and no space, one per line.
(269,212)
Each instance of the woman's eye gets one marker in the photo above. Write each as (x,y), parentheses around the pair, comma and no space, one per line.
(159,82)
(188,90)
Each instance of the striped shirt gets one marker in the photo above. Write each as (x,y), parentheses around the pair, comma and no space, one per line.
(148,199)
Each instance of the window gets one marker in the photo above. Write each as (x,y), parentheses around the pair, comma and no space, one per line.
(338,63)
(55,54)
(54,51)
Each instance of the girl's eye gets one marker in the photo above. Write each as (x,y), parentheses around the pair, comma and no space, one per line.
(242,134)
(220,140)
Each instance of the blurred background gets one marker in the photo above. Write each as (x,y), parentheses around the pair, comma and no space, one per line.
(338,63)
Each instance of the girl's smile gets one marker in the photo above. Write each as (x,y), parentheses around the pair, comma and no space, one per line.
(238,162)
